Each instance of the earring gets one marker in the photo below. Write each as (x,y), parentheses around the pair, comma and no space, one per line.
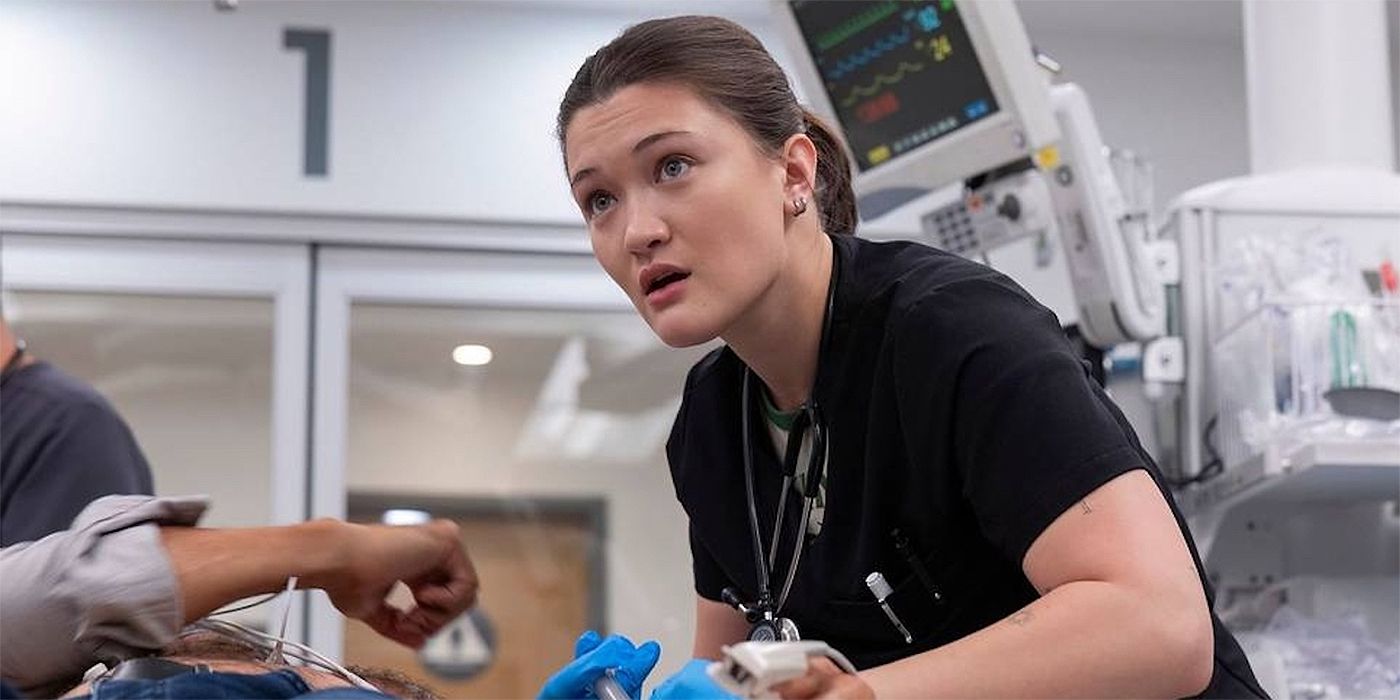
(799,206)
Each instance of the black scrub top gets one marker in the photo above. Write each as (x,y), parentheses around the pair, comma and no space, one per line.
(957,414)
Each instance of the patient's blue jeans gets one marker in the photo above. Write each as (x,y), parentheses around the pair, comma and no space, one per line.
(217,686)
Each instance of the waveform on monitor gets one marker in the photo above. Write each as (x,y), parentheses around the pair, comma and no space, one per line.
(860,58)
(855,25)
(881,80)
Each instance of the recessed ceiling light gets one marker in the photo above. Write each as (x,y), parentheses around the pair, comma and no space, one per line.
(405,516)
(471,355)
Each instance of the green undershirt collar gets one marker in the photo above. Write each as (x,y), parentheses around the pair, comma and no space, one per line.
(782,421)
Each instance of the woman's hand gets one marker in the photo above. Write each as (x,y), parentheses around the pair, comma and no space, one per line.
(595,656)
(692,681)
(824,680)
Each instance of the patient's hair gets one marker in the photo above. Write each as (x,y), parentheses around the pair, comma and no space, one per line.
(208,645)
(396,683)
(213,646)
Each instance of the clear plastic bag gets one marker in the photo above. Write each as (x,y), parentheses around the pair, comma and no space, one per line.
(1297,323)
(1332,657)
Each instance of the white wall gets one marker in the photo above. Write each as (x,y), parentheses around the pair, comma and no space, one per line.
(175,104)
(1165,78)
(1393,10)
(437,109)
(1182,106)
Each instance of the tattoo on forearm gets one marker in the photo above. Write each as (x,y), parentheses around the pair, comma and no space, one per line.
(1085,506)
(1022,618)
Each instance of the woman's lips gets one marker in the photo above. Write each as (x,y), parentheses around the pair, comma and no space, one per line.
(666,295)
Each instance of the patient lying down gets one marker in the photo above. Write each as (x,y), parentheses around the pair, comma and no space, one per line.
(219,666)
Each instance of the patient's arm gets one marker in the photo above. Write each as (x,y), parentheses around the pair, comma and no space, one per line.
(355,564)
(131,571)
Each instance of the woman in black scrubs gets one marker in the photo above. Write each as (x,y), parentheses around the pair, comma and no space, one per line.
(877,408)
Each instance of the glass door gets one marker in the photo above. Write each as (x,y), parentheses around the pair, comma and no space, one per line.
(202,349)
(521,396)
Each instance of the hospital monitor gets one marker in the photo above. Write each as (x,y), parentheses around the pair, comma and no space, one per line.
(926,93)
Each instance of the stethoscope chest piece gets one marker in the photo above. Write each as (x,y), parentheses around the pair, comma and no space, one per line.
(779,629)
(765,625)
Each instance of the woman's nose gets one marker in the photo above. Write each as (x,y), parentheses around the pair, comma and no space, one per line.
(645,230)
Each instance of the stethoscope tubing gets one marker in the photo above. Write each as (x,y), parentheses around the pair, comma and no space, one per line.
(808,417)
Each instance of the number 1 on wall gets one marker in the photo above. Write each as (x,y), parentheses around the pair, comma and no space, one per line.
(316,43)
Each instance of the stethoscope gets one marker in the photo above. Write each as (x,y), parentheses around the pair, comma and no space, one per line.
(763,615)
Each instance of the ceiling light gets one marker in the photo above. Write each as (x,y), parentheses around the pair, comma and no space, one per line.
(471,355)
(405,516)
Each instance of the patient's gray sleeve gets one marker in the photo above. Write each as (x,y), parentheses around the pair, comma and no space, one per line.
(102,590)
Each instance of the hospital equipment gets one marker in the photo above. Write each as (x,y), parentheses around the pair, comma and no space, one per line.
(1347,370)
(880,588)
(1278,466)
(768,626)
(1275,313)
(907,80)
(1365,402)
(751,669)
(927,93)
(932,93)
(1275,320)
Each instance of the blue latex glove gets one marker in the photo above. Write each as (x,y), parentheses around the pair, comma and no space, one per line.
(593,656)
(691,683)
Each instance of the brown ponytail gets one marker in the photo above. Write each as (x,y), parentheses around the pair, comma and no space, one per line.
(835,198)
(728,67)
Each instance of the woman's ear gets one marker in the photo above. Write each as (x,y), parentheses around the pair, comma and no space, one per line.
(799,168)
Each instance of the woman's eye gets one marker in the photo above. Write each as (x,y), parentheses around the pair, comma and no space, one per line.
(598,202)
(673,167)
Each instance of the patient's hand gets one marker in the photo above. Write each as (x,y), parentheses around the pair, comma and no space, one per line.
(370,559)
(355,564)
